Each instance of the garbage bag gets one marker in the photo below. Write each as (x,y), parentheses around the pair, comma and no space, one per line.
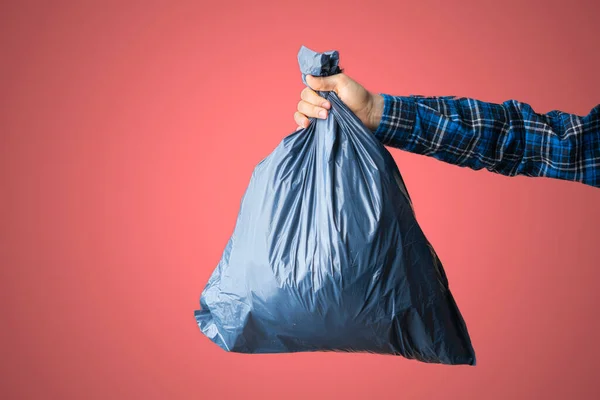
(327,255)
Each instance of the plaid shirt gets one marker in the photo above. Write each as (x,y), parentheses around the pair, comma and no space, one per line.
(508,138)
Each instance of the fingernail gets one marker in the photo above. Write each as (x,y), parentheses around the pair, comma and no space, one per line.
(323,114)
(325,104)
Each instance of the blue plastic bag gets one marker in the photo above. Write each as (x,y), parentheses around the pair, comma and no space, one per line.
(327,255)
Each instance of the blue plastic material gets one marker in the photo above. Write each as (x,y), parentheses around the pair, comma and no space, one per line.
(327,255)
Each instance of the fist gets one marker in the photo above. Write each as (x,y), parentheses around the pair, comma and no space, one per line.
(367,106)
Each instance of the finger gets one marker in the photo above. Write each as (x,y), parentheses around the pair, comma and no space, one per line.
(312,97)
(324,83)
(311,110)
(298,128)
(301,120)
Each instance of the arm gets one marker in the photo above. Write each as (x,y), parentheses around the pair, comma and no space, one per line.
(508,138)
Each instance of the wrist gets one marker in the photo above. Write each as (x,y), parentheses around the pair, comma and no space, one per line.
(375,111)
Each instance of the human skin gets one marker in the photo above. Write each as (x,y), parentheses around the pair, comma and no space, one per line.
(367,106)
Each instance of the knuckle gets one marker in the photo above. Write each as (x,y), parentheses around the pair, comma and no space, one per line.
(342,80)
(305,93)
(299,118)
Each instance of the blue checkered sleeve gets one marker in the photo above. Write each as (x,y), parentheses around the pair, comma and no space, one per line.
(508,138)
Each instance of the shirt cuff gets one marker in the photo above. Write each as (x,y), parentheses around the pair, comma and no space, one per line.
(397,120)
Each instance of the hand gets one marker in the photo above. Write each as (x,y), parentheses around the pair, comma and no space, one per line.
(367,106)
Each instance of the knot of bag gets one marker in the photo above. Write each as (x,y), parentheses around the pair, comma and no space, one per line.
(318,64)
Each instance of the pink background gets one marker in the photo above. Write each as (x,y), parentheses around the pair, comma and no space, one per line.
(128,133)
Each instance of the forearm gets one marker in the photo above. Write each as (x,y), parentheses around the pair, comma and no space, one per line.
(508,138)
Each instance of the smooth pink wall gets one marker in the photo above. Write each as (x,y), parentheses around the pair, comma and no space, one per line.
(128,133)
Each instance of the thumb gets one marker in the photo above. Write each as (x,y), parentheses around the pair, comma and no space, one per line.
(323,83)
